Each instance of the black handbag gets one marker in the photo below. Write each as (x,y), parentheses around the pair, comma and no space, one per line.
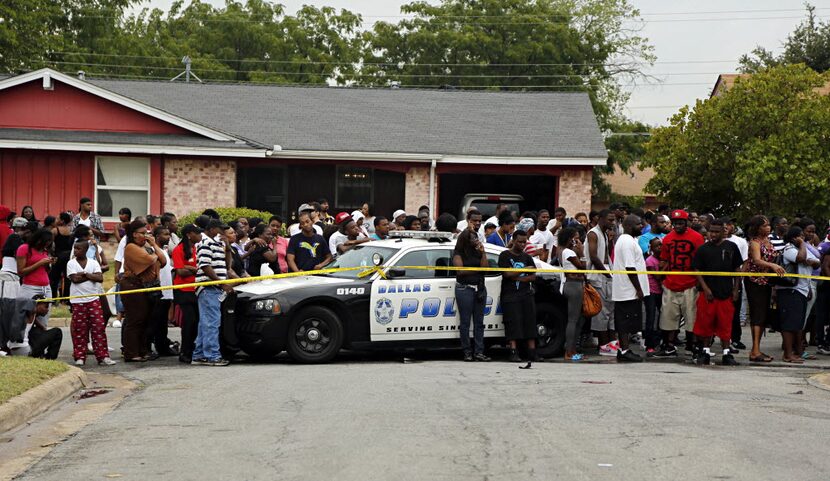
(787,282)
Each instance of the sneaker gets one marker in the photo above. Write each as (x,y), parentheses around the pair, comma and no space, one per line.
(824,350)
(514,356)
(480,357)
(608,350)
(650,352)
(468,356)
(200,362)
(116,324)
(80,362)
(728,360)
(219,362)
(701,358)
(738,345)
(629,356)
(107,362)
(666,352)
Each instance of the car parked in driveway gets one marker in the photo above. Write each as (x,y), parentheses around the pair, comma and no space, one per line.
(313,317)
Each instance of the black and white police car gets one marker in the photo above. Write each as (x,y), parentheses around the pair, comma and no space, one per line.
(313,317)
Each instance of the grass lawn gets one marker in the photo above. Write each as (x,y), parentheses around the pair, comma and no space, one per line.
(19,374)
(62,311)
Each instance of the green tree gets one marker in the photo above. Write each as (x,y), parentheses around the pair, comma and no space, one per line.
(809,44)
(251,41)
(567,45)
(760,147)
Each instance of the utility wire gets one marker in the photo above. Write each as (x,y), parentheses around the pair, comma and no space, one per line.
(392,64)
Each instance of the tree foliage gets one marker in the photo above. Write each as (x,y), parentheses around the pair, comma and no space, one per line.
(550,45)
(760,147)
(809,44)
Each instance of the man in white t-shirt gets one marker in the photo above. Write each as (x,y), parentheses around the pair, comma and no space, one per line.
(294,229)
(543,239)
(628,290)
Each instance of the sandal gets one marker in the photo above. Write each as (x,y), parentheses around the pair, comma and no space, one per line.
(794,361)
(576,357)
(135,359)
(806,355)
(762,358)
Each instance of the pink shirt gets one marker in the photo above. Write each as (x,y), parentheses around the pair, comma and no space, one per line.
(38,277)
(653,264)
(282,246)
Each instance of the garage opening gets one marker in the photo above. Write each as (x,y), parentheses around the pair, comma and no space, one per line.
(539,191)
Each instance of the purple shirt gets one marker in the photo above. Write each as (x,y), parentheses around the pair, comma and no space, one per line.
(653,264)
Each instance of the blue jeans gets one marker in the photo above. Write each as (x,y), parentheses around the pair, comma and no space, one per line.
(471,305)
(210,317)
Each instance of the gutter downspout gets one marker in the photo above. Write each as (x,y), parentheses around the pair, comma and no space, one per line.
(432,187)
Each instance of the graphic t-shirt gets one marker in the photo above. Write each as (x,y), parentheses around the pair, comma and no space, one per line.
(679,251)
(308,251)
(723,257)
(514,290)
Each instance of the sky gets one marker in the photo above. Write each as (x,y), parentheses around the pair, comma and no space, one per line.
(694,41)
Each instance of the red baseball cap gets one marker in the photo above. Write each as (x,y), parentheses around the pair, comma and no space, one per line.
(341,217)
(679,214)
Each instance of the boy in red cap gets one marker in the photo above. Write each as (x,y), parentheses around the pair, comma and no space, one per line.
(680,294)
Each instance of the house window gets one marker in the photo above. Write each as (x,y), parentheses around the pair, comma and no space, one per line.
(354,187)
(122,182)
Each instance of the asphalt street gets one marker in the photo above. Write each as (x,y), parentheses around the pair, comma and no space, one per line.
(375,417)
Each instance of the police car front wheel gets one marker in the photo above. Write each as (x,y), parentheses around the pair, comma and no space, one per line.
(315,335)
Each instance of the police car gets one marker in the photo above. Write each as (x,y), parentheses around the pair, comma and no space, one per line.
(313,317)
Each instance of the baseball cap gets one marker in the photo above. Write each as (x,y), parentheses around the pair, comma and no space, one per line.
(341,217)
(304,208)
(19,222)
(679,214)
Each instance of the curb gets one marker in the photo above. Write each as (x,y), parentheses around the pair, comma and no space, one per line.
(24,407)
(821,381)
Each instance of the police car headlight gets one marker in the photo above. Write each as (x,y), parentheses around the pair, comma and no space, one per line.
(267,306)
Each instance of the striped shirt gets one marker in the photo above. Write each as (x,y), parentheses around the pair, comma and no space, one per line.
(211,253)
(777,242)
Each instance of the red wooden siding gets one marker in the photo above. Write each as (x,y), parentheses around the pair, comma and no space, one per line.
(48,181)
(28,106)
(52,181)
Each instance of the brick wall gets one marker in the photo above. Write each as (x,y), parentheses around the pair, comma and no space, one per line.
(417,189)
(194,184)
(575,191)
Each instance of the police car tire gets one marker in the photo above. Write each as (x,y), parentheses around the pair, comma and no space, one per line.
(335,331)
(556,321)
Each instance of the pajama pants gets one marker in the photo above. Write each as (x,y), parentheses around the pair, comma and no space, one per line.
(88,320)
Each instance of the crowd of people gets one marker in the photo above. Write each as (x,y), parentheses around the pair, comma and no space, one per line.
(62,256)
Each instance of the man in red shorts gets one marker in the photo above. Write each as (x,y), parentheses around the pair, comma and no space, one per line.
(715,301)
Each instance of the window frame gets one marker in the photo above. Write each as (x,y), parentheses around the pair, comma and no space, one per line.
(132,188)
(338,170)
(448,274)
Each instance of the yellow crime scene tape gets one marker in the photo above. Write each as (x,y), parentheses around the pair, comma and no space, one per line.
(381,270)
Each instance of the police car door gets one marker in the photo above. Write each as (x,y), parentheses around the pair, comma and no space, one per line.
(420,304)
(493,326)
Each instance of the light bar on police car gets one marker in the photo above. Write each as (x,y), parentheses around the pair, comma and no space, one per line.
(420,234)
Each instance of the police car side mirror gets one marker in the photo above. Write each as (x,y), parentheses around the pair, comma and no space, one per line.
(395,272)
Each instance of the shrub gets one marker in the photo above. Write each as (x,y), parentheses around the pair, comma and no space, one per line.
(227,214)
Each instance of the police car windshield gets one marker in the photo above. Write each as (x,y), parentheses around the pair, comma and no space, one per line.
(360,256)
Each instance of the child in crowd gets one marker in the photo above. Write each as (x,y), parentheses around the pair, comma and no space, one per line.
(87,313)
(654,301)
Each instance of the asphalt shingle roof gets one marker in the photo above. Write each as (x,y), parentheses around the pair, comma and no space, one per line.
(560,124)
(126,138)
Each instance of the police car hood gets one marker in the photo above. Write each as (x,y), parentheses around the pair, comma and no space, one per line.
(273,286)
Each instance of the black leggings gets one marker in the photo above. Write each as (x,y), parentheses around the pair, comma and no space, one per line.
(189,306)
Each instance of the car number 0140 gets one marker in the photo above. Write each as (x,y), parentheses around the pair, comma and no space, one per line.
(350,291)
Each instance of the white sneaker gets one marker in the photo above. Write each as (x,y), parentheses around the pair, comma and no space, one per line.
(116,324)
(107,362)
(79,362)
(608,350)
